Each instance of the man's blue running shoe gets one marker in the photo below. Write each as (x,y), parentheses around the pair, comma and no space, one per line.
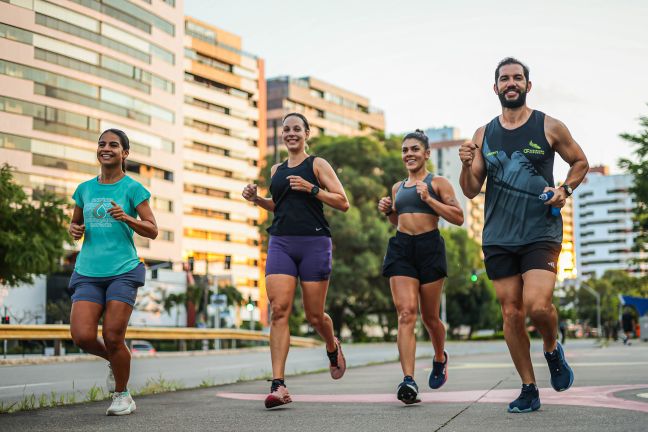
(408,391)
(439,374)
(562,376)
(529,400)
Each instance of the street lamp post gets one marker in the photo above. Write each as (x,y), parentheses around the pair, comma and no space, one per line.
(598,306)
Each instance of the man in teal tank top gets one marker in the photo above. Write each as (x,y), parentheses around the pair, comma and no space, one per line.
(522,234)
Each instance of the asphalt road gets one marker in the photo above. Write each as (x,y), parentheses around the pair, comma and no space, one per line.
(610,393)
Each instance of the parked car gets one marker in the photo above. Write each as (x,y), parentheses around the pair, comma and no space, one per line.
(142,347)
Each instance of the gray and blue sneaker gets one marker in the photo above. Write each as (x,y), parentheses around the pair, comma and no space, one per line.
(562,376)
(529,400)
(408,391)
(439,374)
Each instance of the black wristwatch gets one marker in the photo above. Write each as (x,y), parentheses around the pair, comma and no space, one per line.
(314,191)
(568,189)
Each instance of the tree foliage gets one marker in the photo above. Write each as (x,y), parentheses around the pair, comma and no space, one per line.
(468,303)
(33,232)
(609,286)
(639,170)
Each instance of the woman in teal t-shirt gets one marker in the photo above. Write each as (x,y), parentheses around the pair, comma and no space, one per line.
(108,271)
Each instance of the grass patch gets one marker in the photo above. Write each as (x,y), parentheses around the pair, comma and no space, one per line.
(209,382)
(158,385)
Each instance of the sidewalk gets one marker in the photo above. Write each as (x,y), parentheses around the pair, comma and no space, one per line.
(607,396)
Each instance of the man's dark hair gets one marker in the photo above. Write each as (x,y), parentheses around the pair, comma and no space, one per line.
(301,116)
(508,61)
(420,136)
(123,139)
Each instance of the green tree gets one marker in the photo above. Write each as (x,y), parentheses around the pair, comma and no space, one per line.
(612,284)
(639,171)
(33,232)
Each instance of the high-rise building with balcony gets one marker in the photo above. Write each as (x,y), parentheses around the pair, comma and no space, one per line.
(70,69)
(224,140)
(603,225)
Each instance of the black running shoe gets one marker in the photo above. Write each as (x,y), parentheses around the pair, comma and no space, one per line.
(562,376)
(439,374)
(529,400)
(408,391)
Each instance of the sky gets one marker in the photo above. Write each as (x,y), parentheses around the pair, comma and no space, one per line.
(431,63)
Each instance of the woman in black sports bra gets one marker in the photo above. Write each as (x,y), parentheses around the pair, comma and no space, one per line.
(415,262)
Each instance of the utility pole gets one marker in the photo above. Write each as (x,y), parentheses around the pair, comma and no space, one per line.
(598,306)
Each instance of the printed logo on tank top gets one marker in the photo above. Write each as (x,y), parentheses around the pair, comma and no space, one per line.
(533,149)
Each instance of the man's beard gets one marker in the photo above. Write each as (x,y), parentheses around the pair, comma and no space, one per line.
(514,103)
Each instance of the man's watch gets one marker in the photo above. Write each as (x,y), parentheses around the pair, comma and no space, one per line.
(315,190)
(568,189)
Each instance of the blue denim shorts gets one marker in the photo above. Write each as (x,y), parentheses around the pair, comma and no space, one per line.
(122,287)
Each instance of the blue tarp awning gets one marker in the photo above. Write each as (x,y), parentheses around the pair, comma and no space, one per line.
(639,303)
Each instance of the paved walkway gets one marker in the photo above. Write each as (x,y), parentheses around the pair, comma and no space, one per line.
(610,393)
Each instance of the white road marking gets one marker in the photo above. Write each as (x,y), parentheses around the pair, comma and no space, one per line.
(510,365)
(26,385)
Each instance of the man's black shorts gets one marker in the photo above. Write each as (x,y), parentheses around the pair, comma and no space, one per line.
(421,256)
(505,261)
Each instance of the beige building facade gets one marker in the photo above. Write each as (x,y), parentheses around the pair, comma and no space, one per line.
(70,69)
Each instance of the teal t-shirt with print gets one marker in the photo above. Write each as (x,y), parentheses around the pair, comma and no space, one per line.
(108,248)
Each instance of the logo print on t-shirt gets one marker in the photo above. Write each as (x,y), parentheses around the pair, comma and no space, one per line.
(99,211)
(100,216)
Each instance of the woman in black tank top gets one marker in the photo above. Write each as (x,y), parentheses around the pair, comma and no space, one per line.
(299,247)
(415,261)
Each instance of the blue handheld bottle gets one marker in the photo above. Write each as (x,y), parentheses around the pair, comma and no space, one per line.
(546,196)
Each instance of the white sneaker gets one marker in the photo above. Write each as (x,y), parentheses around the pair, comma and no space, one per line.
(122,404)
(110,380)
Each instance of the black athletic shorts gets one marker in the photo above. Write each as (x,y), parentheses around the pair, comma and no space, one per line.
(505,261)
(421,256)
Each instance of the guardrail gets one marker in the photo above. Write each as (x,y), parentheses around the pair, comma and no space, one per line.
(62,332)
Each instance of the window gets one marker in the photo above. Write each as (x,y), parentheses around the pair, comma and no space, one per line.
(116,13)
(207,148)
(202,190)
(166,235)
(215,85)
(16,34)
(15,142)
(206,127)
(53,120)
(196,167)
(66,15)
(67,165)
(92,36)
(214,214)
(162,204)
(71,63)
(207,105)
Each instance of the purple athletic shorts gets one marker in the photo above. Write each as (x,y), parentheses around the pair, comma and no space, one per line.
(307,257)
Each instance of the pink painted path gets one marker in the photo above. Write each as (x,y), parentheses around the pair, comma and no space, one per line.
(594,396)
